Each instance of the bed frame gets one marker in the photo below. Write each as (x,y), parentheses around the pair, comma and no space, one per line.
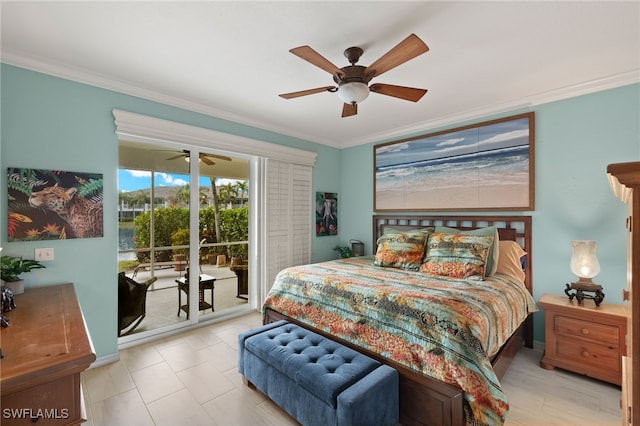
(424,400)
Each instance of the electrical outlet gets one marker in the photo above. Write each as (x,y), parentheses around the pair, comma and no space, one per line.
(44,254)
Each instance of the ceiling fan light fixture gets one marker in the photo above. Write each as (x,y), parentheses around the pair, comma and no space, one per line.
(353,93)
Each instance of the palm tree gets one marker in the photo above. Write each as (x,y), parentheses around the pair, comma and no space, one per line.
(182,195)
(216,207)
(242,187)
(125,198)
(228,193)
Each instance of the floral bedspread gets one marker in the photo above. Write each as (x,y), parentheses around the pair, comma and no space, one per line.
(443,327)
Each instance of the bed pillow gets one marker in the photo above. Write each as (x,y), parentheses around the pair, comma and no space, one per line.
(402,250)
(390,230)
(510,261)
(457,255)
(492,259)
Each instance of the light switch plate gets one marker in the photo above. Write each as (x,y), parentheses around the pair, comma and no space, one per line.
(44,254)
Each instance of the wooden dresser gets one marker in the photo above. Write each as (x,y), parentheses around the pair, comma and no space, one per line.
(584,338)
(45,348)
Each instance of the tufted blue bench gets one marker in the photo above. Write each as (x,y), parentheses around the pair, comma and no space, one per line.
(316,380)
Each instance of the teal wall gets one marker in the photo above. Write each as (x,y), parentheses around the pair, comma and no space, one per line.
(575,140)
(51,123)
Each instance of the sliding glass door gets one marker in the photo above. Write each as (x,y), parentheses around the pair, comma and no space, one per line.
(223,228)
(155,216)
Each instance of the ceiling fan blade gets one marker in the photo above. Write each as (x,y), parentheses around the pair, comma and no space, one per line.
(404,51)
(307,92)
(220,157)
(176,157)
(205,160)
(349,109)
(313,57)
(402,92)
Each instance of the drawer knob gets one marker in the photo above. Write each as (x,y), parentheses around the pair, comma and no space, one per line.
(585,354)
(585,331)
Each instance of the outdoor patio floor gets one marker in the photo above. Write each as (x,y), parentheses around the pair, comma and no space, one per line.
(162,296)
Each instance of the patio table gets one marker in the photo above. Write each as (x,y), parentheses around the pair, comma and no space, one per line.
(207,282)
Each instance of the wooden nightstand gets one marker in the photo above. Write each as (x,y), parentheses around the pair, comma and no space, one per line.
(584,338)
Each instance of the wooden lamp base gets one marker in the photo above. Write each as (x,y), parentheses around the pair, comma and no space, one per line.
(582,285)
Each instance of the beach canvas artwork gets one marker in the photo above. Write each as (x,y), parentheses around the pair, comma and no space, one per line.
(487,166)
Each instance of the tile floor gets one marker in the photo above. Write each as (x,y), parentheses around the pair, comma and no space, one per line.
(191,379)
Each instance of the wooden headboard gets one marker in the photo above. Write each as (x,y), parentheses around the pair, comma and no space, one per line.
(517,228)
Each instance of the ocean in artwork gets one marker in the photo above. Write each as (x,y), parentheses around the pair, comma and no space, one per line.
(497,167)
(458,170)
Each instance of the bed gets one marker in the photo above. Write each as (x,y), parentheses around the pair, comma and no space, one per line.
(436,357)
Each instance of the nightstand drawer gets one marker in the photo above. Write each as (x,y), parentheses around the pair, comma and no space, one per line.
(600,333)
(591,354)
(584,338)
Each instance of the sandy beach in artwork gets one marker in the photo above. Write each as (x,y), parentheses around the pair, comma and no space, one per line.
(496,179)
(471,197)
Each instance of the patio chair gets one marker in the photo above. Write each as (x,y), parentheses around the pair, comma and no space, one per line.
(132,301)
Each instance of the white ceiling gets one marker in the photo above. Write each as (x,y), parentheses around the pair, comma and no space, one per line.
(231,59)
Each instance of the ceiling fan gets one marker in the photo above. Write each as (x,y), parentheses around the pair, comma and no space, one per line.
(353,79)
(205,158)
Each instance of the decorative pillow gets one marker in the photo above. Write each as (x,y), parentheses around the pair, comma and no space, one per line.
(403,250)
(457,255)
(510,261)
(492,259)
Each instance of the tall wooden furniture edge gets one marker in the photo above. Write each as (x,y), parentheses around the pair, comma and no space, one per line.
(45,348)
(628,176)
(424,400)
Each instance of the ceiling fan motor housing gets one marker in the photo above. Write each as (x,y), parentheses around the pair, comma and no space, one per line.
(351,74)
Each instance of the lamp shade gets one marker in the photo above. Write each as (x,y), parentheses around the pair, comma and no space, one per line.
(354,92)
(584,262)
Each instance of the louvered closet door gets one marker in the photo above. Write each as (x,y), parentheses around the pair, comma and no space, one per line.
(289,208)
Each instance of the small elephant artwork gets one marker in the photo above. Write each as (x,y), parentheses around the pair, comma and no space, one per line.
(326,213)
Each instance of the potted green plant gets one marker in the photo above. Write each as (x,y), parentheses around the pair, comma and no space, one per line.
(344,251)
(13,267)
(180,238)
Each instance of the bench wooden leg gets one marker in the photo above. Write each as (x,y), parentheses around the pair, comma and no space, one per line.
(248,383)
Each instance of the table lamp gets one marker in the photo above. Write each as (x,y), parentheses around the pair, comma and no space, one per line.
(584,263)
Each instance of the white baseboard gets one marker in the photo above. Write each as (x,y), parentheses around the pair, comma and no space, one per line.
(104,360)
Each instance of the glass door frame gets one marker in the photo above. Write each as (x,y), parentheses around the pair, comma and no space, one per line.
(195,317)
